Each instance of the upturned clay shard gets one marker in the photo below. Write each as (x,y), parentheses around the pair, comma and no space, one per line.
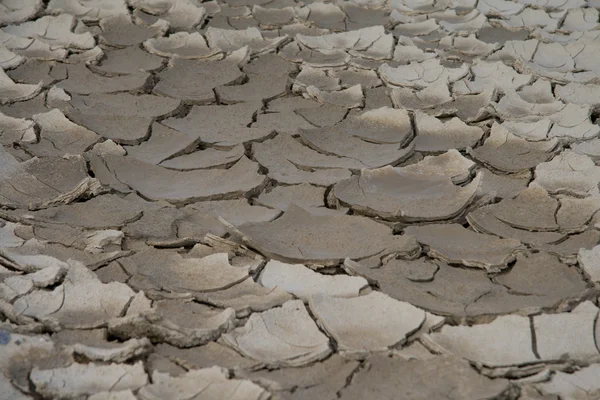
(531,131)
(514,107)
(568,173)
(321,379)
(111,211)
(299,236)
(16,130)
(203,159)
(285,336)
(310,76)
(83,81)
(451,164)
(231,40)
(53,30)
(434,135)
(181,44)
(487,75)
(20,11)
(303,282)
(398,378)
(550,340)
(456,244)
(224,126)
(281,197)
(205,75)
(421,75)
(81,301)
(381,125)
(290,162)
(589,260)
(118,30)
(577,384)
(395,194)
(164,143)
(579,93)
(158,183)
(8,59)
(121,117)
(532,209)
(365,139)
(433,95)
(465,47)
(573,123)
(245,297)
(14,92)
(431,285)
(93,10)
(212,382)
(40,183)
(181,14)
(367,323)
(88,379)
(177,274)
(542,274)
(59,136)
(483,220)
(516,346)
(350,98)
(513,344)
(127,61)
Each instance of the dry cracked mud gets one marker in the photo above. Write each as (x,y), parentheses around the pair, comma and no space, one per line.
(299,199)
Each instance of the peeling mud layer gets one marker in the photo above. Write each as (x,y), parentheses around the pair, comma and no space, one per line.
(298,199)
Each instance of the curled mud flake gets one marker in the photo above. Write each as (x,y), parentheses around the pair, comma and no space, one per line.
(318,380)
(589,261)
(81,301)
(87,379)
(16,92)
(83,81)
(127,61)
(512,344)
(488,75)
(180,14)
(421,75)
(223,126)
(19,11)
(396,377)
(230,40)
(303,282)
(455,244)
(322,240)
(579,384)
(285,336)
(290,162)
(568,173)
(8,59)
(395,194)
(550,343)
(158,183)
(88,10)
(366,324)
(181,44)
(55,31)
(43,182)
(435,135)
(212,382)
(118,30)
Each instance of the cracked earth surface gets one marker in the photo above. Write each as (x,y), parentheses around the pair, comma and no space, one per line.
(298,199)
